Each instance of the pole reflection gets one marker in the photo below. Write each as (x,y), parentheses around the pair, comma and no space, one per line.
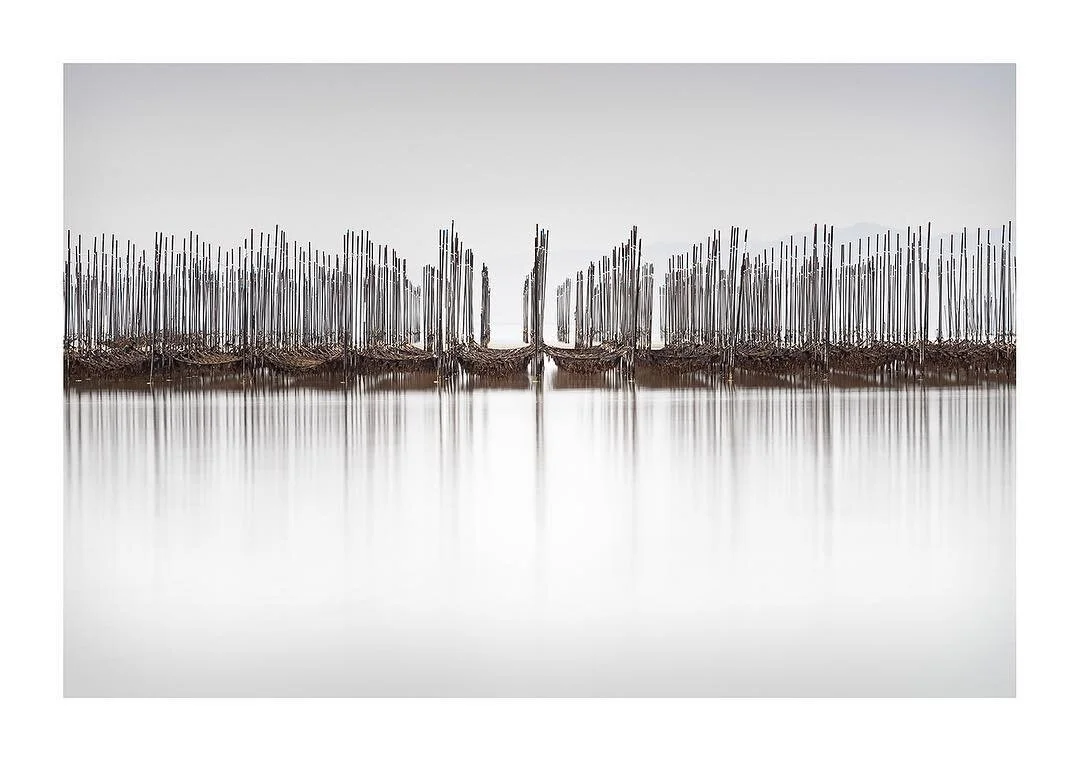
(369,538)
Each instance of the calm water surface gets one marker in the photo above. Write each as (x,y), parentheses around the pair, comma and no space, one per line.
(539,541)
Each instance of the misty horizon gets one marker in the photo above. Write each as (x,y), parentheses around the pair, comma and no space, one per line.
(584,150)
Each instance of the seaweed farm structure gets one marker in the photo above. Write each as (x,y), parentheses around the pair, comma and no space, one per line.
(895,304)
(274,303)
(611,310)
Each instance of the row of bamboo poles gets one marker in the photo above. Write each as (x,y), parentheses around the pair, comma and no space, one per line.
(268,298)
(611,302)
(275,300)
(448,314)
(563,310)
(887,288)
(267,291)
(891,301)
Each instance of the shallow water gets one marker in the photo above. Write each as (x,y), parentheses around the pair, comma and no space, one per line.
(539,541)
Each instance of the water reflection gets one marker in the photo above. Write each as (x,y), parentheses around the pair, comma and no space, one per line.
(320,538)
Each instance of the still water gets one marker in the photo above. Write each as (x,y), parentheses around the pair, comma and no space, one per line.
(320,540)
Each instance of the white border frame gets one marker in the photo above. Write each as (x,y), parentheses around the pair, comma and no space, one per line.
(39,723)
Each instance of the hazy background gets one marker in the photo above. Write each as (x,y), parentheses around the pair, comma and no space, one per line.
(585,150)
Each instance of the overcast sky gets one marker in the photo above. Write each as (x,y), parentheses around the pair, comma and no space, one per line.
(585,150)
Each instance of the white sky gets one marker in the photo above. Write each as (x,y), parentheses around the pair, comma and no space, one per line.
(585,150)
